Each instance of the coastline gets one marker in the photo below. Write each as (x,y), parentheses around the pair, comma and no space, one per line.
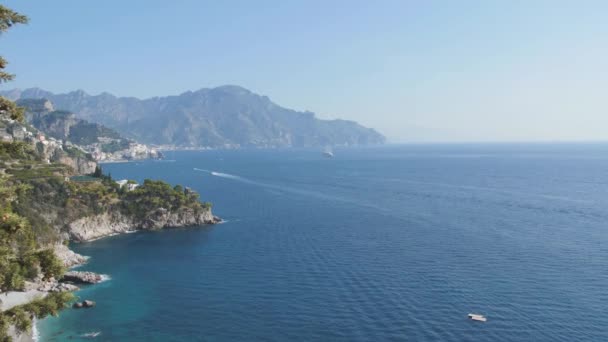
(74,260)
(71,260)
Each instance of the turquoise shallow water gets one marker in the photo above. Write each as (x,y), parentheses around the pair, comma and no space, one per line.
(394,243)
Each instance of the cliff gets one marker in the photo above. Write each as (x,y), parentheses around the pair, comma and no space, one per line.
(107,224)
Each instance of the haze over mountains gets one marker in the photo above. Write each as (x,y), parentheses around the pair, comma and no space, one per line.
(226,116)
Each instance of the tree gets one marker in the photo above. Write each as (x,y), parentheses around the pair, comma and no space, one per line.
(98,172)
(8,18)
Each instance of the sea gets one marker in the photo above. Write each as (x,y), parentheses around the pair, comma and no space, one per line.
(393,243)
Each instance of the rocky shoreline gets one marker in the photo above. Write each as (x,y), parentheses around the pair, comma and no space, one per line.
(89,229)
(108,224)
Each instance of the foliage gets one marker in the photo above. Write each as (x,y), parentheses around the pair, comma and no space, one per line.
(154,194)
(21,316)
(98,172)
(8,18)
(19,254)
(17,150)
(49,263)
(7,106)
(75,152)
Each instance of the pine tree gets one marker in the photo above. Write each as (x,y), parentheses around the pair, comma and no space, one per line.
(9,18)
(98,172)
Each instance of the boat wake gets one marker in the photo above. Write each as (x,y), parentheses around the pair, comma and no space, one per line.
(229,176)
(225,175)
(92,334)
(279,189)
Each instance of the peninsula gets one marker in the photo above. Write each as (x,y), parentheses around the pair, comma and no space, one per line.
(52,193)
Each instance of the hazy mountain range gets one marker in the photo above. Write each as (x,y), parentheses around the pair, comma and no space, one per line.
(226,116)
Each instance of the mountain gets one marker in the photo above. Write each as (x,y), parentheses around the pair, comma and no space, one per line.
(103,143)
(226,116)
(64,125)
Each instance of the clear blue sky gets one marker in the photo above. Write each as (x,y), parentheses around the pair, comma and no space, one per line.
(415,70)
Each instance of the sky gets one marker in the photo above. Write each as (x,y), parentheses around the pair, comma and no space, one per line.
(417,71)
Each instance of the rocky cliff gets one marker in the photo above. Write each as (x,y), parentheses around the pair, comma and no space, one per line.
(106,224)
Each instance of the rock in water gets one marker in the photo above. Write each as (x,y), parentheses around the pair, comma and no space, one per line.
(88,304)
(82,277)
(77,305)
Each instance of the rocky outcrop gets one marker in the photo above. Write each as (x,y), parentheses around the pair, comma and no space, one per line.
(88,304)
(84,304)
(107,224)
(79,277)
(81,166)
(94,227)
(68,256)
(54,286)
(163,218)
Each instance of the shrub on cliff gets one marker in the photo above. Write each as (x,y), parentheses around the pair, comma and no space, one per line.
(20,255)
(17,150)
(154,194)
(50,265)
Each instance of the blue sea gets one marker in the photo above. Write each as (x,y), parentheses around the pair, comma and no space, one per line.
(397,243)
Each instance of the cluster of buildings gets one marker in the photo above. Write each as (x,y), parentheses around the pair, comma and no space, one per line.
(11,130)
(15,131)
(135,151)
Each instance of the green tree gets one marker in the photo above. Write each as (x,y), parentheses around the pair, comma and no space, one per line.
(98,172)
(9,18)
(49,263)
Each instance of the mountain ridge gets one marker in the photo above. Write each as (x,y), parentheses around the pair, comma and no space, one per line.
(225,116)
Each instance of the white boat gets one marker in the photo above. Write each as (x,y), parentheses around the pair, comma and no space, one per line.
(476,317)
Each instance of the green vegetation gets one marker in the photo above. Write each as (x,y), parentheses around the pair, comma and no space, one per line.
(21,316)
(155,194)
(20,255)
(17,150)
(8,18)
(92,195)
(98,172)
(23,162)
(74,152)
(6,105)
